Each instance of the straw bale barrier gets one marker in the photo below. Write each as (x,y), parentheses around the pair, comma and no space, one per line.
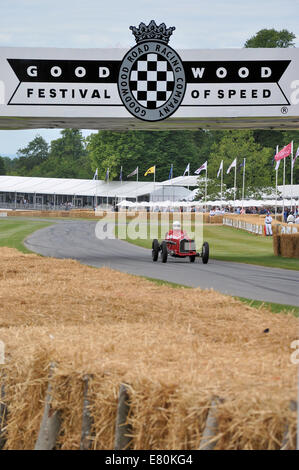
(286,244)
(175,348)
(52,213)
(89,214)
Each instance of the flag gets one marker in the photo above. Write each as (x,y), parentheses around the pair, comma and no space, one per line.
(242,164)
(201,168)
(285,152)
(277,165)
(170,173)
(152,169)
(95,176)
(294,159)
(187,169)
(107,175)
(232,165)
(220,169)
(121,174)
(133,172)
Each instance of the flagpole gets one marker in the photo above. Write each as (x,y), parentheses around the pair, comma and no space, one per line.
(235,186)
(243,188)
(221,184)
(276,182)
(107,188)
(95,203)
(172,192)
(276,178)
(206,188)
(292,178)
(283,183)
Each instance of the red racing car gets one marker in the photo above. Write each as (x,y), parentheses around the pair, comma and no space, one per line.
(178,245)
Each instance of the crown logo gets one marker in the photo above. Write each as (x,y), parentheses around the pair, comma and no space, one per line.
(152,31)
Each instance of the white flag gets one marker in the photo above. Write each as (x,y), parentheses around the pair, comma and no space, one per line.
(220,168)
(187,169)
(95,176)
(201,168)
(294,159)
(133,172)
(232,165)
(277,165)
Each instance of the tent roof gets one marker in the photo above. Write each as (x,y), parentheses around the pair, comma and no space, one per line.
(78,187)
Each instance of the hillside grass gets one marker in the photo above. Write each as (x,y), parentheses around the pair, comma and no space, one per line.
(14,231)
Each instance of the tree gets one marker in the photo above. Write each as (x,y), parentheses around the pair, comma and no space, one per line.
(271,38)
(67,157)
(36,152)
(241,144)
(144,149)
(2,166)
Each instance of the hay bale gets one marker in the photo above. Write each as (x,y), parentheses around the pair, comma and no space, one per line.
(289,245)
(187,346)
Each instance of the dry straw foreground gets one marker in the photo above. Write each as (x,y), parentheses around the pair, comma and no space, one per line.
(176,348)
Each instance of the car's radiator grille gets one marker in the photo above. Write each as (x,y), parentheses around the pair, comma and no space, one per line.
(187,245)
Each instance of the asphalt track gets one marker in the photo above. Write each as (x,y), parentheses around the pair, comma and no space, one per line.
(77,240)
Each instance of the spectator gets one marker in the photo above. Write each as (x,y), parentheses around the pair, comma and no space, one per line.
(285,215)
(268,224)
(291,218)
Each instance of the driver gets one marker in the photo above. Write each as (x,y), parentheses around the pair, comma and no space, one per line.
(176,231)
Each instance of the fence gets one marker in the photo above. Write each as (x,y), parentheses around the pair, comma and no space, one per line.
(257,228)
(256,224)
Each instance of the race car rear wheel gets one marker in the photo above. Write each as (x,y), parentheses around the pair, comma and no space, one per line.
(164,252)
(192,258)
(155,250)
(205,253)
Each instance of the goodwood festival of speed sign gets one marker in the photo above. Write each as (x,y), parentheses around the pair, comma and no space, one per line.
(151,82)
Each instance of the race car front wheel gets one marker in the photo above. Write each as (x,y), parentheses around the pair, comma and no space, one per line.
(205,253)
(164,252)
(155,250)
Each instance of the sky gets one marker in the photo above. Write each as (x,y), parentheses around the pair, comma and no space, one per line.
(200,24)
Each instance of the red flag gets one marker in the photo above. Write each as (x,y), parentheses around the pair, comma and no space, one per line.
(285,152)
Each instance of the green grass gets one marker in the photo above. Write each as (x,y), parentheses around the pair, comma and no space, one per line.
(160,282)
(230,244)
(275,308)
(13,232)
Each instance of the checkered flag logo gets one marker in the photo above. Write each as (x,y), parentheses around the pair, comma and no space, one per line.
(152,81)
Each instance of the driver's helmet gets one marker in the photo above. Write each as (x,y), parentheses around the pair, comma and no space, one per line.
(176,225)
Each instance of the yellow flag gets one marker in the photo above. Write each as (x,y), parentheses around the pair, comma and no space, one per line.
(152,169)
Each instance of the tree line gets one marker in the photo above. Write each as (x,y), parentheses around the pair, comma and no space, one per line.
(73,156)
